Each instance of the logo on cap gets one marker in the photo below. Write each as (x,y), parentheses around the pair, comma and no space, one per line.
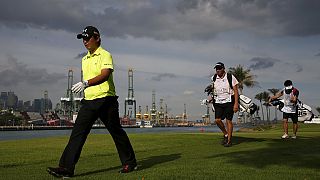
(88,32)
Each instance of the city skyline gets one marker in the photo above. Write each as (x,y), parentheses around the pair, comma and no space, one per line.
(10,100)
(171,46)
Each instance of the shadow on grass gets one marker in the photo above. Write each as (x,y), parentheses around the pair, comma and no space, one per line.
(296,153)
(27,163)
(97,171)
(238,140)
(142,164)
(154,160)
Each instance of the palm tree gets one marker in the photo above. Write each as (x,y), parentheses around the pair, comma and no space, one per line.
(244,77)
(318,109)
(260,98)
(274,92)
(265,98)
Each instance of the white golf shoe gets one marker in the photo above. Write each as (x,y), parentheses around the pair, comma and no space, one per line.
(285,136)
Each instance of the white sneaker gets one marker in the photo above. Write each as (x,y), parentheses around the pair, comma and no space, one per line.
(294,137)
(285,136)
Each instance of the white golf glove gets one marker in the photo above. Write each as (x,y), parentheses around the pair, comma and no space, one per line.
(80,86)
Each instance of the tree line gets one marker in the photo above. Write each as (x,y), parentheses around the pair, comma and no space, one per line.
(9,119)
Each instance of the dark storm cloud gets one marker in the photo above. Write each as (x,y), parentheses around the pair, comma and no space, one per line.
(159,77)
(262,63)
(167,19)
(54,14)
(13,72)
(285,17)
(295,67)
(318,54)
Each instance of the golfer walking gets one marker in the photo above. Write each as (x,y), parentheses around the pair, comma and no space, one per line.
(100,101)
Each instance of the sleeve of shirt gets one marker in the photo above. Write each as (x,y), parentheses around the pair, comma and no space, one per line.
(234,81)
(106,61)
(296,93)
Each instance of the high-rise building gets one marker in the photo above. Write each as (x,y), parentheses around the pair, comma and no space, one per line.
(36,105)
(41,105)
(20,105)
(12,101)
(27,106)
(3,100)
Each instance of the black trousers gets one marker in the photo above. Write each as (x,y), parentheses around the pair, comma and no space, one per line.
(107,109)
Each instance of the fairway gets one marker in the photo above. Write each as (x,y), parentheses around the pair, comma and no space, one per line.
(254,155)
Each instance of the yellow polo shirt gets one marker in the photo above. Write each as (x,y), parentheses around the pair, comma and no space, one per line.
(92,64)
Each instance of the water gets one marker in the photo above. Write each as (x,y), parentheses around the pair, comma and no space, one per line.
(15,135)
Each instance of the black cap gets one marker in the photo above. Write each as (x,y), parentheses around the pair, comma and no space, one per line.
(287,83)
(87,32)
(219,64)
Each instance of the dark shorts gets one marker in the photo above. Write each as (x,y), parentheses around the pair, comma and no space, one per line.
(224,111)
(293,116)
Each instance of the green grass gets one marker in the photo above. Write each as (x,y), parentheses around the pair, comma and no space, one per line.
(255,155)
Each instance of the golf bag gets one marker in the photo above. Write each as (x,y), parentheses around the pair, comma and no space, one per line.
(245,103)
(304,111)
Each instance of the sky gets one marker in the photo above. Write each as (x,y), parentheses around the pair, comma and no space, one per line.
(171,45)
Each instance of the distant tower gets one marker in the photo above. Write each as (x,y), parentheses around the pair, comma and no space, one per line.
(161,113)
(130,102)
(185,113)
(166,115)
(207,116)
(67,101)
(46,101)
(70,82)
(69,104)
(146,114)
(153,110)
(139,114)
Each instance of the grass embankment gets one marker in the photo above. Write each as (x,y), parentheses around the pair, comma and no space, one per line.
(255,155)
